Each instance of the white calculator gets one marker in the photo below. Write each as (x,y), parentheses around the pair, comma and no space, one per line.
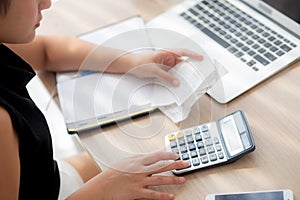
(219,142)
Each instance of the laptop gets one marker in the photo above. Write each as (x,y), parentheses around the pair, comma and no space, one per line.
(250,40)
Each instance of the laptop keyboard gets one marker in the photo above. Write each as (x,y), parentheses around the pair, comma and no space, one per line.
(252,42)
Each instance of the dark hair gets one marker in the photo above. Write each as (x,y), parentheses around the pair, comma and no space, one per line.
(4,4)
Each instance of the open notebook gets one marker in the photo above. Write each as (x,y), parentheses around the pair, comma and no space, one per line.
(90,99)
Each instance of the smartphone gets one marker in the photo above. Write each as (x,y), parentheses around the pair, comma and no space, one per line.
(255,195)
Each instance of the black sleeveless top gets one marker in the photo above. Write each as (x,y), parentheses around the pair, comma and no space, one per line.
(39,172)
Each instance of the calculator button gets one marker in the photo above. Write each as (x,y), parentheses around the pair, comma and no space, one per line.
(179,135)
(212,157)
(206,135)
(198,137)
(196,130)
(181,141)
(245,140)
(239,122)
(196,161)
(192,147)
(218,147)
(190,139)
(173,144)
(175,150)
(216,140)
(220,155)
(208,142)
(210,149)
(194,154)
(200,144)
(204,159)
(183,149)
(202,152)
(204,128)
(171,137)
(188,132)
(184,156)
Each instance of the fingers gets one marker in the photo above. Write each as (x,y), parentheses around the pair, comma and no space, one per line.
(188,53)
(163,167)
(164,180)
(151,194)
(158,156)
(166,76)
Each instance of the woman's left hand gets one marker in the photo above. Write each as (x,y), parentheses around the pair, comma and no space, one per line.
(156,64)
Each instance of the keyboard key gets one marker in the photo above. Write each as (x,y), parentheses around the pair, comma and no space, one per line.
(293,45)
(249,42)
(270,56)
(278,42)
(216,38)
(255,46)
(193,12)
(239,54)
(245,48)
(279,53)
(273,49)
(267,44)
(261,60)
(232,49)
(251,53)
(286,48)
(262,50)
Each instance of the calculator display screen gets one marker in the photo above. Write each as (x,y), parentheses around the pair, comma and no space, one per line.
(252,196)
(231,136)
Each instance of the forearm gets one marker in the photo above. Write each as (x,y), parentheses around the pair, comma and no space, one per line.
(95,188)
(64,53)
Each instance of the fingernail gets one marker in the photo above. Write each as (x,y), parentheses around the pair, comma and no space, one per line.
(181,180)
(186,163)
(175,83)
(176,156)
(171,196)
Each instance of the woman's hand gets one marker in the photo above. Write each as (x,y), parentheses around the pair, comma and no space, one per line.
(131,177)
(156,64)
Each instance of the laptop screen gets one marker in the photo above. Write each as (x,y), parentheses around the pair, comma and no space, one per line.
(288,7)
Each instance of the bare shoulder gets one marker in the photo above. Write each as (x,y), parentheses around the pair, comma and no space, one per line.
(7,132)
(5,121)
(9,158)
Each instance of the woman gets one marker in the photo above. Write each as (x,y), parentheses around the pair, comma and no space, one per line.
(27,169)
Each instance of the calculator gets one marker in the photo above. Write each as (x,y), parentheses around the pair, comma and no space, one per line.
(215,143)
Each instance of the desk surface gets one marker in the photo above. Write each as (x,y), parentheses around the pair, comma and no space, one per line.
(272,109)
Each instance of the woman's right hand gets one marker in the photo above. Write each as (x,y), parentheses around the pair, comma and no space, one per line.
(136,175)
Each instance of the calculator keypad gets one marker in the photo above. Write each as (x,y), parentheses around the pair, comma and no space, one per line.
(200,145)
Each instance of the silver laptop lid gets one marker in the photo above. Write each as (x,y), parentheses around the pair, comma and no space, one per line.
(285,13)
